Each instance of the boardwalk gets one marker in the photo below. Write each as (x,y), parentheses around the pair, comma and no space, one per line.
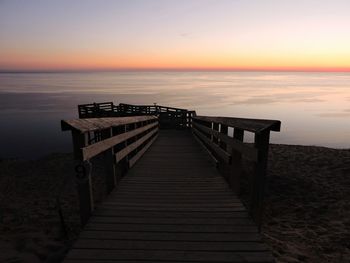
(172,206)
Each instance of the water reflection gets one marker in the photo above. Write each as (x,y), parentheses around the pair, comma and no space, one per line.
(313,107)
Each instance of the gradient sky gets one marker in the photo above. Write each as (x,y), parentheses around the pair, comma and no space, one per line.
(181,34)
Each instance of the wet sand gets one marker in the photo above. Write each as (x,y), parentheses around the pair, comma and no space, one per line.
(306,217)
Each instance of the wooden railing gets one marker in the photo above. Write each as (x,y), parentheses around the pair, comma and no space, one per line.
(228,150)
(169,117)
(122,140)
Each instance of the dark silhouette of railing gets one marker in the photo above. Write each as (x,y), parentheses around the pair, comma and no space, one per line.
(121,140)
(228,151)
(169,117)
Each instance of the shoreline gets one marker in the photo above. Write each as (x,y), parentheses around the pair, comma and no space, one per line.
(306,217)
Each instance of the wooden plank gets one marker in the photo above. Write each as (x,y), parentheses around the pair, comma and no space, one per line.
(182,209)
(170,245)
(107,212)
(223,237)
(146,204)
(237,221)
(131,147)
(164,194)
(178,200)
(247,151)
(99,147)
(173,191)
(172,187)
(93,124)
(253,125)
(141,181)
(167,200)
(134,159)
(171,214)
(166,255)
(171,228)
(132,261)
(223,155)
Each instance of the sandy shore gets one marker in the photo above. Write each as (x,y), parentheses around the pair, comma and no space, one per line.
(307,213)
(306,219)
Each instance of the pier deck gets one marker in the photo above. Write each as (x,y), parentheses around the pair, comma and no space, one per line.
(173,206)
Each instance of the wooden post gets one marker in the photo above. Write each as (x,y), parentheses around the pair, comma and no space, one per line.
(215,128)
(125,164)
(236,163)
(188,116)
(80,140)
(109,163)
(223,130)
(258,186)
(83,177)
(118,170)
(136,126)
(224,168)
(84,187)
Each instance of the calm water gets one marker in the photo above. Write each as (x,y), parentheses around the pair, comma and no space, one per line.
(314,107)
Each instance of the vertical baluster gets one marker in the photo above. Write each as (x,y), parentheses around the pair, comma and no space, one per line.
(111,180)
(223,130)
(236,162)
(225,169)
(84,188)
(261,143)
(215,128)
(83,177)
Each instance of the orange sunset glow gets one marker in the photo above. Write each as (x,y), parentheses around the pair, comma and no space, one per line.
(161,35)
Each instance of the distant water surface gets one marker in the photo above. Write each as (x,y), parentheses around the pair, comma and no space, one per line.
(314,107)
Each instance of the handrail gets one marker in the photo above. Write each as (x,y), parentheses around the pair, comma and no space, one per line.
(122,140)
(94,124)
(228,151)
(252,125)
(249,152)
(168,116)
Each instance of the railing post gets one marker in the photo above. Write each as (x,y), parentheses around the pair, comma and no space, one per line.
(262,145)
(125,164)
(109,163)
(80,140)
(224,168)
(83,177)
(215,128)
(84,187)
(223,130)
(236,163)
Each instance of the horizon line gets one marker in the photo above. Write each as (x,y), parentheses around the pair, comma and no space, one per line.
(81,70)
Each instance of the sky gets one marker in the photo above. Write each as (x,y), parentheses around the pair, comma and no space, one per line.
(73,35)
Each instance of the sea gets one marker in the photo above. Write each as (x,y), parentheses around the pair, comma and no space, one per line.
(314,108)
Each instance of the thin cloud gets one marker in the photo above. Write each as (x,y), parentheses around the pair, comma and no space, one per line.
(343,114)
(258,100)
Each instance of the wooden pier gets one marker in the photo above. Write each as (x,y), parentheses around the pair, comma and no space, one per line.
(178,203)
